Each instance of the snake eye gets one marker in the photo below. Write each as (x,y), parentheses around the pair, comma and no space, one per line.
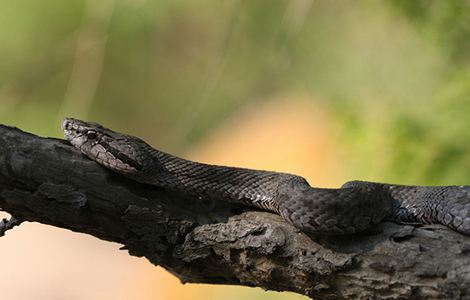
(91,134)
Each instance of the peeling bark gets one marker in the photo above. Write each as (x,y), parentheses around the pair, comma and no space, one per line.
(198,240)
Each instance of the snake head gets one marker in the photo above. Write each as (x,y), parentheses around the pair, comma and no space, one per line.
(113,150)
(81,134)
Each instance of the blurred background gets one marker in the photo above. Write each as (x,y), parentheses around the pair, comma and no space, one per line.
(330,90)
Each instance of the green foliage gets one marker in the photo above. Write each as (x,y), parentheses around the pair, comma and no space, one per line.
(394,73)
(434,148)
(445,22)
(426,140)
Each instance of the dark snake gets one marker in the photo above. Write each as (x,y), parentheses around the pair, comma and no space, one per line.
(355,207)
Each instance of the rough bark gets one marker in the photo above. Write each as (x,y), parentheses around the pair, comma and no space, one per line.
(45,180)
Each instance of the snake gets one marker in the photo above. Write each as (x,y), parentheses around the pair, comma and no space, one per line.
(354,207)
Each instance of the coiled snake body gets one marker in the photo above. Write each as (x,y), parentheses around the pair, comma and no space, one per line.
(356,206)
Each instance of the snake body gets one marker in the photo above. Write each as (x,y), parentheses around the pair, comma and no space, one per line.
(356,206)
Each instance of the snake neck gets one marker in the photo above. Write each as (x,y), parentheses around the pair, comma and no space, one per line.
(239,185)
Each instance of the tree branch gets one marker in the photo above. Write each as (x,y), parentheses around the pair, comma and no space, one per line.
(48,181)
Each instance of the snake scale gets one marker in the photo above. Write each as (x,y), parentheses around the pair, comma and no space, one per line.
(355,207)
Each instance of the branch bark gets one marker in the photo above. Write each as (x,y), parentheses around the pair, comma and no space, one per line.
(46,180)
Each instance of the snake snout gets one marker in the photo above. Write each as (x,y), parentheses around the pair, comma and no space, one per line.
(67,128)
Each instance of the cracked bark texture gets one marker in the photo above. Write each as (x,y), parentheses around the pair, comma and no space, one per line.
(198,240)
